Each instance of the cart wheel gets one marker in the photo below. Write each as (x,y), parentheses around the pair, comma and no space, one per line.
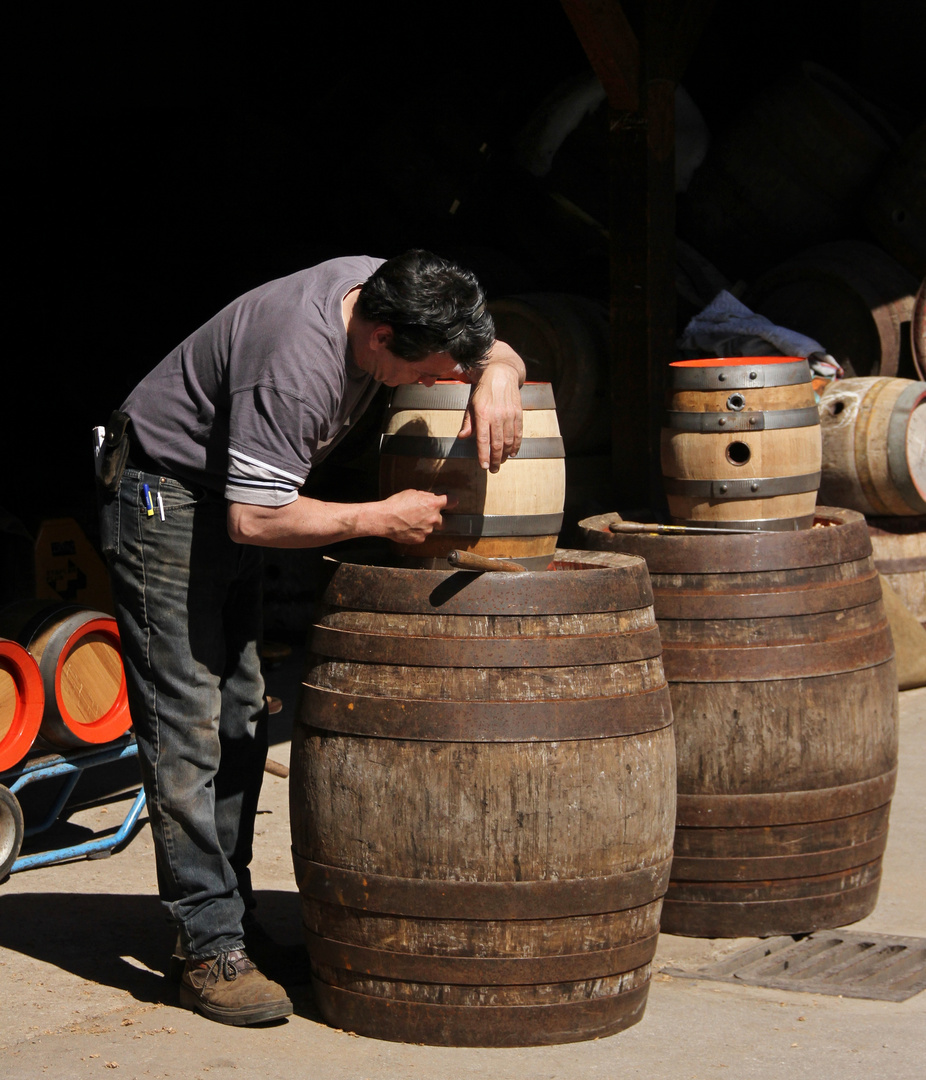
(11,830)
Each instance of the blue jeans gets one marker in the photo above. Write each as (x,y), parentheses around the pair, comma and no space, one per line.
(188,603)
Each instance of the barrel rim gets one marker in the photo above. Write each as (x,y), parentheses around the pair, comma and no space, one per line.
(29,706)
(838,535)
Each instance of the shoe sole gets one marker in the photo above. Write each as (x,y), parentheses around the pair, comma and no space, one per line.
(240,1017)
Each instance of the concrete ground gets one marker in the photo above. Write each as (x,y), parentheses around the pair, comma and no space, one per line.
(83,946)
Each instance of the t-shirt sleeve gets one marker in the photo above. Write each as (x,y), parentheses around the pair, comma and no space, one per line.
(271,437)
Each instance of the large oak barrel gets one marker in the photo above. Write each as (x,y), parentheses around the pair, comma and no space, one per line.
(22,702)
(79,656)
(482,797)
(781,669)
(741,443)
(514,513)
(874,446)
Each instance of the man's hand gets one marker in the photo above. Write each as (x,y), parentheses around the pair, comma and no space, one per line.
(409,517)
(494,409)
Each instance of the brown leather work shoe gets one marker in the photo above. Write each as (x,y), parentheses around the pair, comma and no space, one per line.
(229,989)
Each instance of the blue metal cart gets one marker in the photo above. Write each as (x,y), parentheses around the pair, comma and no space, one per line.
(68,766)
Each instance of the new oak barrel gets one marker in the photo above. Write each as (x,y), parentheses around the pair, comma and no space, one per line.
(514,513)
(741,443)
(482,794)
(781,669)
(79,656)
(22,702)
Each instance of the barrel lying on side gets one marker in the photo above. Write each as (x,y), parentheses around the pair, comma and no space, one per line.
(79,656)
(482,798)
(781,669)
(22,702)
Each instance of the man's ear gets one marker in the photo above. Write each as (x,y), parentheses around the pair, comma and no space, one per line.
(382,337)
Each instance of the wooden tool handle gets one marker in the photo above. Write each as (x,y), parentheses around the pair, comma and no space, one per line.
(469,560)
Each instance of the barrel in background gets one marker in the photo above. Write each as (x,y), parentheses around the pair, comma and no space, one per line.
(874,446)
(515,513)
(741,443)
(482,801)
(781,669)
(851,297)
(564,340)
(79,656)
(899,550)
(22,702)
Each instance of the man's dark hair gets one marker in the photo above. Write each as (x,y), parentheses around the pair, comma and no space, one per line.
(432,305)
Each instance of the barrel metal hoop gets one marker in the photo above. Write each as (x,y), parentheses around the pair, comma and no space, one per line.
(909,399)
(434,899)
(757,525)
(722,422)
(763,663)
(739,377)
(456,396)
(472,1025)
(477,970)
(363,586)
(756,487)
(450,446)
(916,564)
(429,720)
(771,868)
(501,524)
(555,650)
(785,807)
(677,602)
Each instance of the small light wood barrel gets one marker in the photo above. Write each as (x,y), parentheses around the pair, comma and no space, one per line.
(516,513)
(741,443)
(482,798)
(874,446)
(79,657)
(22,702)
(898,546)
(783,680)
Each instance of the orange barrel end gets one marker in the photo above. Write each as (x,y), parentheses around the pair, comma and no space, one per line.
(79,655)
(741,445)
(22,702)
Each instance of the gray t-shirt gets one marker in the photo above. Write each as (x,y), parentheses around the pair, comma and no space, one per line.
(258,394)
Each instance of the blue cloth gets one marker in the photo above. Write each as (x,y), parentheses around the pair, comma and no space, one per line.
(188,604)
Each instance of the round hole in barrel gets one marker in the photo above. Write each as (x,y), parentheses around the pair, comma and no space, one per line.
(738,453)
(736,402)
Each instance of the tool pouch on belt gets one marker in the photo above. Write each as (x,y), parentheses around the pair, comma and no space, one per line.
(114,452)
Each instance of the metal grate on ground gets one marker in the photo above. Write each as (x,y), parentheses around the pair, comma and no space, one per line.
(881,967)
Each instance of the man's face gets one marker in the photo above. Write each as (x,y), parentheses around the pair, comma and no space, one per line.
(393,371)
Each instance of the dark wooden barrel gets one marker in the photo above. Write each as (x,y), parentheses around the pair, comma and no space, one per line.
(79,656)
(781,669)
(564,340)
(741,443)
(768,185)
(482,797)
(874,446)
(850,296)
(515,513)
(22,702)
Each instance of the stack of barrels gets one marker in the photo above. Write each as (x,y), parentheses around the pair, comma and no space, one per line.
(779,658)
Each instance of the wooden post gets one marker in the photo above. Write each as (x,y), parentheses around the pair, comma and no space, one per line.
(639,65)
